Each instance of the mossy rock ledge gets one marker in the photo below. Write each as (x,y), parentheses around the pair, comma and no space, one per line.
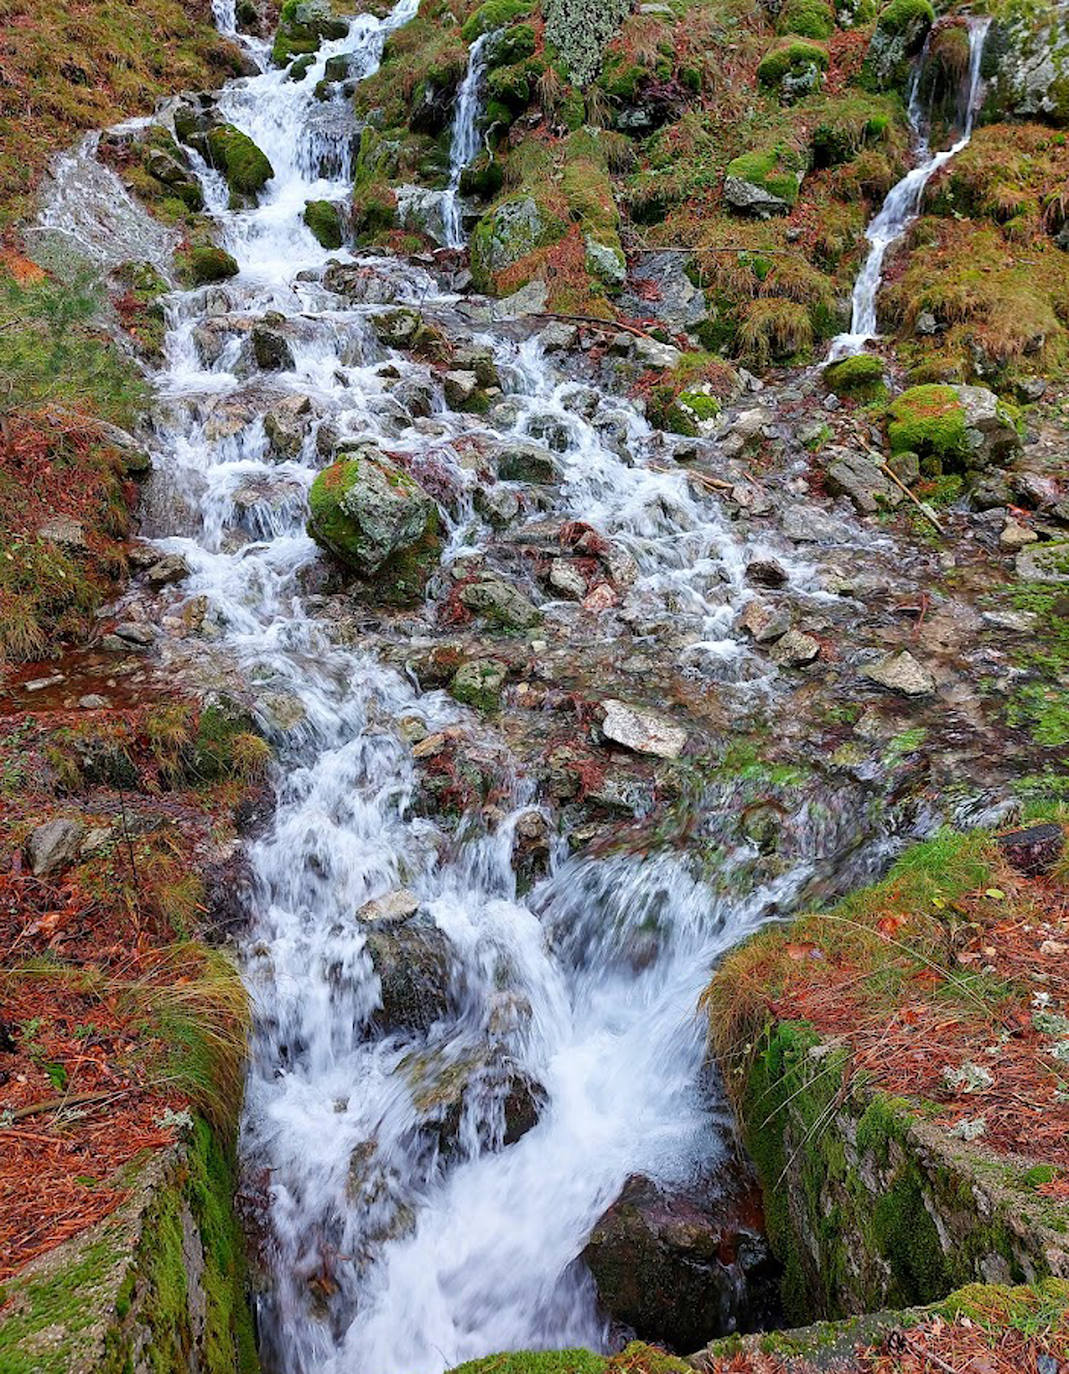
(158,1284)
(878,1208)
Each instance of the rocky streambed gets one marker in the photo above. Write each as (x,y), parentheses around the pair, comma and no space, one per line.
(564,705)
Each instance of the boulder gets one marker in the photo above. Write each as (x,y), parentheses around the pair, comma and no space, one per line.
(412,960)
(460,388)
(898,37)
(396,328)
(901,673)
(171,568)
(641,730)
(1029,79)
(505,235)
(1044,563)
(682,1267)
(507,1099)
(851,474)
(795,649)
(522,460)
(375,518)
(270,347)
(766,572)
(54,846)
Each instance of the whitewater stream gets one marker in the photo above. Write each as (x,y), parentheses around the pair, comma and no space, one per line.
(388,1252)
(903,202)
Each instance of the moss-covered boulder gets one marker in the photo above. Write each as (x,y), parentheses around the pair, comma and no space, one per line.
(953,428)
(324,219)
(899,35)
(205,263)
(764,182)
(806,18)
(376,519)
(245,167)
(860,376)
(793,69)
(506,234)
(302,26)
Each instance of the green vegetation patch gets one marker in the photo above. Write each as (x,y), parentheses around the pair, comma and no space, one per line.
(929,420)
(860,376)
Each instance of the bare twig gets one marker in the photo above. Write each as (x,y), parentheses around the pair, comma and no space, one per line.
(55,1104)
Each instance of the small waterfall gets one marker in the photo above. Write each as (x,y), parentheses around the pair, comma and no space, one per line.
(465,140)
(903,202)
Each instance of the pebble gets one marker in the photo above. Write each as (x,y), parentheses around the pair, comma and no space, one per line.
(92,702)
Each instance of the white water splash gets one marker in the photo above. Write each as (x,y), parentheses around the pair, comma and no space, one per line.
(903,202)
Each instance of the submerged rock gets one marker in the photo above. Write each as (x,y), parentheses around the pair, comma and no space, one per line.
(411,958)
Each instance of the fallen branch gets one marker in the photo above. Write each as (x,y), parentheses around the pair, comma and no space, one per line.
(55,1104)
(615,326)
(717,483)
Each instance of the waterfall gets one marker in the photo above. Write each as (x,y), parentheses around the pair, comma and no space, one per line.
(903,202)
(465,142)
(391,1252)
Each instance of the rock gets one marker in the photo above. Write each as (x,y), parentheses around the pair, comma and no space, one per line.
(641,730)
(764,623)
(325,221)
(747,198)
(795,649)
(751,424)
(649,353)
(65,531)
(442,1088)
(683,1267)
(766,572)
(522,460)
(393,907)
(171,568)
(989,429)
(901,673)
(460,388)
(271,349)
(559,337)
(566,578)
(412,961)
(605,262)
(1017,622)
(1035,850)
(1047,563)
(396,328)
(503,236)
(287,424)
(808,525)
(53,846)
(370,514)
(499,505)
(92,702)
(1016,536)
(478,684)
(501,603)
(131,632)
(851,474)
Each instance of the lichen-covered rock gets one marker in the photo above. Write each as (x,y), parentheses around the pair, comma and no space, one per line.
(641,730)
(478,683)
(898,37)
(1028,54)
(854,475)
(793,69)
(53,846)
(502,603)
(901,673)
(377,519)
(506,234)
(303,25)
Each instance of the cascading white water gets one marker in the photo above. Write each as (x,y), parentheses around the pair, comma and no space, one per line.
(903,201)
(388,1254)
(465,142)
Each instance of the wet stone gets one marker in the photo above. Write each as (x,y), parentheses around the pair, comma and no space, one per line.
(641,730)
(412,960)
(901,673)
(766,572)
(764,623)
(795,649)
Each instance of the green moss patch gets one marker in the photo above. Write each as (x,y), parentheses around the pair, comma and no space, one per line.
(860,376)
(929,421)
